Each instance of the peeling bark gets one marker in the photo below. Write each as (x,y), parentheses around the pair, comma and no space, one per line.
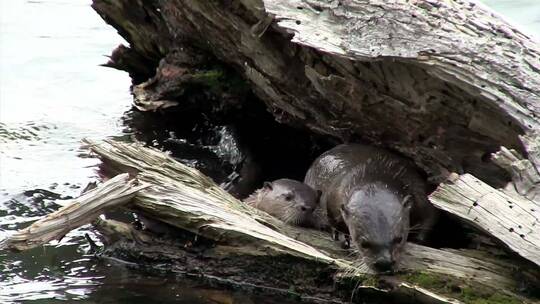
(445,83)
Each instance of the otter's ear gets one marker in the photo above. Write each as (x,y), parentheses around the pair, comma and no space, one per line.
(267,185)
(407,202)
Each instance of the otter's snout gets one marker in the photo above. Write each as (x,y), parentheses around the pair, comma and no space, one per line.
(384,265)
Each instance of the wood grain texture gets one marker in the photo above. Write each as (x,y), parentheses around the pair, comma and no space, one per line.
(185,198)
(513,221)
(525,177)
(113,193)
(446,83)
(443,82)
(247,248)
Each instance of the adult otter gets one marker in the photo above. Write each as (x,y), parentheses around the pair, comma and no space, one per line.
(291,201)
(368,192)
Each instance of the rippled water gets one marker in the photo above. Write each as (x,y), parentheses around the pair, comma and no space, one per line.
(52,94)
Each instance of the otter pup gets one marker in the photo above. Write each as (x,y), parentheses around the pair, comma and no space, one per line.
(368,193)
(291,201)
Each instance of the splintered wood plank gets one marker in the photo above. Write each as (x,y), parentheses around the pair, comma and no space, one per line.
(525,172)
(184,197)
(81,211)
(513,221)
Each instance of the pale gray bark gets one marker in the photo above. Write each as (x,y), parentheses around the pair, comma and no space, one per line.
(525,177)
(184,198)
(514,221)
(113,193)
(443,82)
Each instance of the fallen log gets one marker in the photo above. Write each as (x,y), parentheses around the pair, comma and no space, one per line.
(510,215)
(443,82)
(190,201)
(228,243)
(514,221)
(446,83)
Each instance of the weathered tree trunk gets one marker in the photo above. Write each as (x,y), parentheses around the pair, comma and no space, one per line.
(229,243)
(444,82)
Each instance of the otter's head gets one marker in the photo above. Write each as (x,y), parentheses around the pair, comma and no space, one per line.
(297,199)
(378,222)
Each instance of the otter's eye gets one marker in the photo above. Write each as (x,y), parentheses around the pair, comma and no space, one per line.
(397,240)
(366,245)
(289,196)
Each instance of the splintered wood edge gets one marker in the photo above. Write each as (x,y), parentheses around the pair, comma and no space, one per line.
(513,221)
(186,189)
(109,195)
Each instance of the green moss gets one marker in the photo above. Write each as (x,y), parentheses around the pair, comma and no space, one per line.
(428,281)
(350,283)
(220,80)
(211,78)
(369,281)
(457,289)
(468,295)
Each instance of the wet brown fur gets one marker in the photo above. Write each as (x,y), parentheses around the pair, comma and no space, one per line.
(368,193)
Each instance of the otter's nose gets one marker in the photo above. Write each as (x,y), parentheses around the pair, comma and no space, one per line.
(306,208)
(384,265)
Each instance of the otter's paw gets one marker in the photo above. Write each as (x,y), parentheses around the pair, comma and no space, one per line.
(347,242)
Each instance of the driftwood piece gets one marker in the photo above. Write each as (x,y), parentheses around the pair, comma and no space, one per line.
(184,198)
(513,221)
(249,269)
(463,43)
(113,193)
